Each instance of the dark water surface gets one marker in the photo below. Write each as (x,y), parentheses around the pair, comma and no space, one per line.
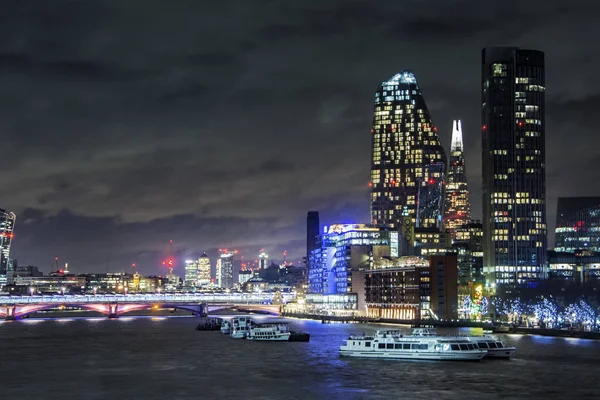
(166,358)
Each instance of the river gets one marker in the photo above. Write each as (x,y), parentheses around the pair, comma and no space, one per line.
(166,358)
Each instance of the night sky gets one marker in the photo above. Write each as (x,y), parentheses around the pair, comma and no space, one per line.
(221,123)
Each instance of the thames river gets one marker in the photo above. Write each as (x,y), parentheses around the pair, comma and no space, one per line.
(166,358)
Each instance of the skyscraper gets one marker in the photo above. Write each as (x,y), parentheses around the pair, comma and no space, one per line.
(457,210)
(578,224)
(191,273)
(263,259)
(226,269)
(312,231)
(407,160)
(7,224)
(203,270)
(514,169)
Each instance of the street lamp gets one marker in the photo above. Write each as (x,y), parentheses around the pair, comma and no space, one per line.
(125,289)
(31,290)
(62,291)
(95,290)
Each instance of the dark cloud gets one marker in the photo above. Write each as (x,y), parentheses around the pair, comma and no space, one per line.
(219,124)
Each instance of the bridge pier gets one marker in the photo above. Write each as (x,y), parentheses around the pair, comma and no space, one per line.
(11,313)
(113,311)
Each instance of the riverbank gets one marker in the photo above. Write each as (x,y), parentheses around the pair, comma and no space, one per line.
(556,333)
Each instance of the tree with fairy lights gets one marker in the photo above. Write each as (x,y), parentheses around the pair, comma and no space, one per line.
(546,311)
(582,313)
(514,309)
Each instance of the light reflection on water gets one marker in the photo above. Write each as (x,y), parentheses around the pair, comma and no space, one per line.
(131,357)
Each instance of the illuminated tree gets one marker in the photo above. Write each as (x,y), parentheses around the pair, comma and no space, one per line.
(582,313)
(546,311)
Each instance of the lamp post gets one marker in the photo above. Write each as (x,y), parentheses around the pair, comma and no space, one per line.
(62,291)
(32,291)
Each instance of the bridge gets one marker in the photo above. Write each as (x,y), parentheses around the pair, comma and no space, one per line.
(113,305)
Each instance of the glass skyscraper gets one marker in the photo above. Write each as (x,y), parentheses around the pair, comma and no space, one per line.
(514,170)
(7,224)
(407,159)
(577,224)
(457,210)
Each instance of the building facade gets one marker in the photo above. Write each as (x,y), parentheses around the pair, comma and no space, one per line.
(514,169)
(312,231)
(226,270)
(7,225)
(582,266)
(468,245)
(577,224)
(204,277)
(407,159)
(457,209)
(263,259)
(413,287)
(191,274)
(345,249)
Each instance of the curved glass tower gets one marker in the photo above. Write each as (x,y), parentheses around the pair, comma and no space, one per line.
(457,210)
(407,159)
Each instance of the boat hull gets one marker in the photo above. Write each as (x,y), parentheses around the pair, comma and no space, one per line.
(278,338)
(504,353)
(432,356)
(299,337)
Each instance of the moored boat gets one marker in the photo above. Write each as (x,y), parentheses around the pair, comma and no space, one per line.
(268,331)
(240,327)
(226,327)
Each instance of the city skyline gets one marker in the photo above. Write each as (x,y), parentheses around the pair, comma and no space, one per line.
(131,144)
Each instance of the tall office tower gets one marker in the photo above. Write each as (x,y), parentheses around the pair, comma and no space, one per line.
(226,269)
(218,274)
(7,225)
(577,224)
(514,169)
(457,210)
(203,270)
(407,160)
(263,259)
(312,231)
(191,273)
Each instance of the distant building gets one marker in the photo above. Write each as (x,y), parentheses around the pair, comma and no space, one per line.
(577,224)
(514,168)
(582,266)
(204,270)
(407,159)
(226,270)
(263,260)
(411,288)
(312,231)
(344,249)
(245,275)
(29,270)
(191,273)
(468,244)
(7,225)
(430,241)
(457,209)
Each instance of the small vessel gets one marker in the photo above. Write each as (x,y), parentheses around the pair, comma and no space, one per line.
(209,324)
(268,331)
(299,337)
(495,348)
(240,327)
(226,327)
(421,345)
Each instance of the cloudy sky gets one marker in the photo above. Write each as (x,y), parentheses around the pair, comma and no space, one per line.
(124,124)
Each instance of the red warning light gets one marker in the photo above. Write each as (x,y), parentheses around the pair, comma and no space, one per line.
(370,184)
(431,181)
(484,127)
(170,262)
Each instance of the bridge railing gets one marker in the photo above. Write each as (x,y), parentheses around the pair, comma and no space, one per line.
(145,297)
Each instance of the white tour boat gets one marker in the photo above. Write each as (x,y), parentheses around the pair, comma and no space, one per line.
(226,327)
(269,331)
(495,348)
(240,327)
(392,344)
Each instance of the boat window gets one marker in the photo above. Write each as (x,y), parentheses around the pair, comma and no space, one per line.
(455,347)
(499,344)
(463,347)
(414,346)
(367,344)
(398,346)
(446,347)
(382,345)
(492,345)
(390,345)
(482,345)
(406,346)
(423,346)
